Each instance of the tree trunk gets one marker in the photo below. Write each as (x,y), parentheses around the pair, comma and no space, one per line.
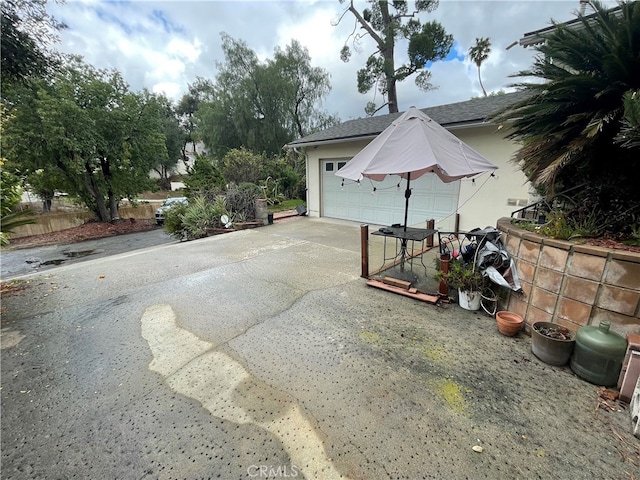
(481,86)
(46,202)
(92,188)
(387,51)
(113,206)
(392,95)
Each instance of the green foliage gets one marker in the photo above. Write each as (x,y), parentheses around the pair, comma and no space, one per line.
(478,54)
(571,122)
(200,215)
(10,189)
(241,165)
(634,236)
(10,195)
(199,91)
(203,179)
(85,127)
(251,188)
(462,275)
(388,23)
(173,219)
(629,136)
(262,105)
(174,136)
(27,31)
(11,221)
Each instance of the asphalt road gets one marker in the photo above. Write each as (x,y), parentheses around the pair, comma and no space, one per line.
(263,354)
(16,262)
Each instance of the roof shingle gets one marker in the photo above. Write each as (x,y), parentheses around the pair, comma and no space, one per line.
(460,114)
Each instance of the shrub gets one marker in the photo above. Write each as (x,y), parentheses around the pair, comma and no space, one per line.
(173,219)
(241,202)
(201,215)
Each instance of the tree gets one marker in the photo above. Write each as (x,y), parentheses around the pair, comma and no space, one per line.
(86,126)
(478,54)
(569,123)
(262,105)
(629,135)
(174,135)
(305,86)
(27,31)
(199,91)
(203,179)
(388,22)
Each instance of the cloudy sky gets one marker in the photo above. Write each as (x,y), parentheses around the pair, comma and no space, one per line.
(165,45)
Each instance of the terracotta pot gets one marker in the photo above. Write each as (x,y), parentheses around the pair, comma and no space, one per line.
(509,323)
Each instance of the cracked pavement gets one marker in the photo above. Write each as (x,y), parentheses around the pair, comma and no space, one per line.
(262,354)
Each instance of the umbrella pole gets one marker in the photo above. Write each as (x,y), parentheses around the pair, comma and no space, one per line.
(403,247)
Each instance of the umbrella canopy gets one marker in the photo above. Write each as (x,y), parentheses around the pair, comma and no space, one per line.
(411,146)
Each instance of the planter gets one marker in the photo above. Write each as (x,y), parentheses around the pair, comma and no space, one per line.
(555,349)
(509,323)
(598,355)
(469,300)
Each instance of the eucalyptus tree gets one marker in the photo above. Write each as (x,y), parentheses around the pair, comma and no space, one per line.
(478,54)
(86,127)
(387,23)
(570,124)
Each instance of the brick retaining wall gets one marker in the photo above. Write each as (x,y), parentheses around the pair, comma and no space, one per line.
(573,284)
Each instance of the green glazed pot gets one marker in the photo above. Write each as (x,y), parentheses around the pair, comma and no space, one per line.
(598,355)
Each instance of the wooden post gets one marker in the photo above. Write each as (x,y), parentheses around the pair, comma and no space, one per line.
(456,227)
(431,224)
(443,288)
(364,250)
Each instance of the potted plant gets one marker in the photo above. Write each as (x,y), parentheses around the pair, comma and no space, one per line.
(468,280)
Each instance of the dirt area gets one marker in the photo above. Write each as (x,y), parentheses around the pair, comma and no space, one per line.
(89,231)
(611,243)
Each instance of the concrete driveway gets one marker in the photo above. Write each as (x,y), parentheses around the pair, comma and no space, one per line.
(262,354)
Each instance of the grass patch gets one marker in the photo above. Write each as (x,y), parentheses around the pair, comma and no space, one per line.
(287,205)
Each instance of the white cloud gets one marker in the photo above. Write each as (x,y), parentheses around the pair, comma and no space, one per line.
(190,51)
(169,89)
(164,45)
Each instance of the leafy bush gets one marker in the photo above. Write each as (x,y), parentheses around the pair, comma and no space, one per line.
(173,219)
(462,275)
(201,215)
(251,187)
(240,165)
(578,125)
(203,179)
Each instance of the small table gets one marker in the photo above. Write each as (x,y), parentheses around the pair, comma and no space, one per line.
(403,236)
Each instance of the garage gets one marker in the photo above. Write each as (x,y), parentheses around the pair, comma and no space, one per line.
(382,203)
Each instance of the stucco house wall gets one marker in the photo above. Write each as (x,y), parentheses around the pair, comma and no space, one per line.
(481,202)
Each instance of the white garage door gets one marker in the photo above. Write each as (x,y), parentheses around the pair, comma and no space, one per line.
(430,198)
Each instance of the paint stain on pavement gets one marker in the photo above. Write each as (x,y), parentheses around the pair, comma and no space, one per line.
(194,368)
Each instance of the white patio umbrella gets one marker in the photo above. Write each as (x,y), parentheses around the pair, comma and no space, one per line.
(415,144)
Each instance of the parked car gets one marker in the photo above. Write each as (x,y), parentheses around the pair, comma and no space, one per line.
(166,205)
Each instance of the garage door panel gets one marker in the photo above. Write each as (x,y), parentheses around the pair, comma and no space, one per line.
(431,198)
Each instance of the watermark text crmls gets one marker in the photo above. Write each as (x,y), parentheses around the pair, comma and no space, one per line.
(273,471)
